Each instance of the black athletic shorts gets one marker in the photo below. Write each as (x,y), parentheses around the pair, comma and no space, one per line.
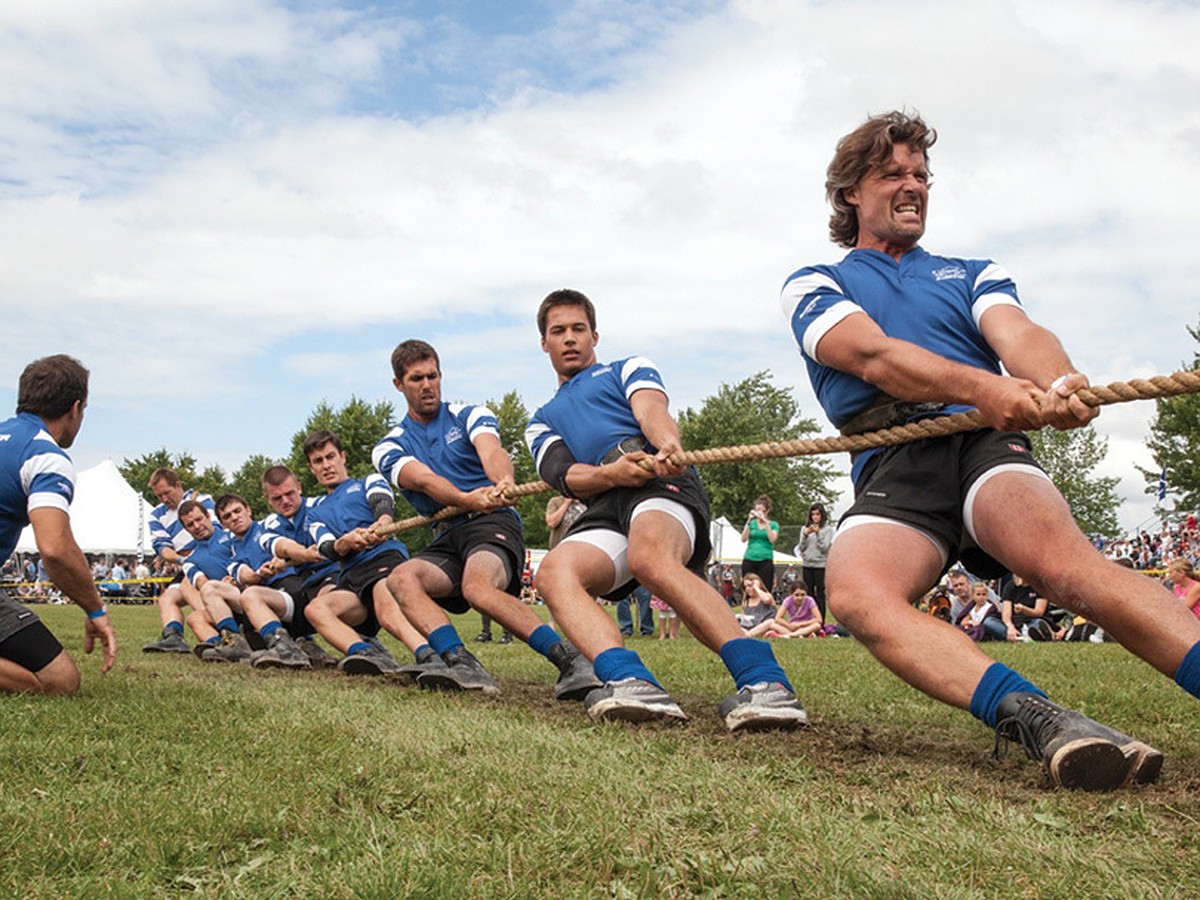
(613,511)
(304,594)
(24,640)
(498,532)
(925,484)
(360,580)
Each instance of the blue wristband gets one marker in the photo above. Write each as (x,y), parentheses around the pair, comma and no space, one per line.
(97,613)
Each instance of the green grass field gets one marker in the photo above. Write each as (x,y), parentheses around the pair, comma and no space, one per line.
(171,777)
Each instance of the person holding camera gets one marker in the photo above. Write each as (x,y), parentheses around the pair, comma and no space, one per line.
(759,535)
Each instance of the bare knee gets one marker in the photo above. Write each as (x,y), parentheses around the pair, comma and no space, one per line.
(59,677)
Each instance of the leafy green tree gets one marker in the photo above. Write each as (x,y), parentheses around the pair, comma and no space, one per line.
(247,481)
(513,418)
(755,411)
(359,425)
(137,471)
(1175,442)
(1070,458)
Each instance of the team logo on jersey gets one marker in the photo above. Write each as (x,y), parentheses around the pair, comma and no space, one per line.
(5,437)
(601,371)
(1017,448)
(950,273)
(453,434)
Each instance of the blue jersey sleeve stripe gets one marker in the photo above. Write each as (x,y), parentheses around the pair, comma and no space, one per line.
(822,324)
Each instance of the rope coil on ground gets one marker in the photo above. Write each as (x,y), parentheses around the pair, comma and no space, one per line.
(1152,388)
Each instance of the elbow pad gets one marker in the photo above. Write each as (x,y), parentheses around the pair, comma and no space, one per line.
(325,548)
(382,504)
(556,462)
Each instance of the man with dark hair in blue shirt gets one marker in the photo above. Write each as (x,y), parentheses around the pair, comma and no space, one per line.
(37,484)
(606,437)
(449,454)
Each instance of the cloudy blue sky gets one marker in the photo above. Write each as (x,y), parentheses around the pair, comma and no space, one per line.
(233,209)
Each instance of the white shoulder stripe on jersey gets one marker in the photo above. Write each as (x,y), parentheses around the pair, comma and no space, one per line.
(799,288)
(645,384)
(987,301)
(992,272)
(45,499)
(633,364)
(821,325)
(46,464)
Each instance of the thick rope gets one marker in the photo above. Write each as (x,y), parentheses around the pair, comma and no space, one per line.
(1153,388)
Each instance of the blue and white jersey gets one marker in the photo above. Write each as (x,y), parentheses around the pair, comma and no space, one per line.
(446,445)
(295,529)
(934,302)
(346,507)
(210,558)
(166,529)
(248,550)
(34,472)
(591,412)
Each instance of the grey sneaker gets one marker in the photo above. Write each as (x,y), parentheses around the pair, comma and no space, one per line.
(170,642)
(427,661)
(317,657)
(372,661)
(577,679)
(1075,752)
(233,648)
(281,653)
(463,672)
(632,700)
(762,706)
(202,646)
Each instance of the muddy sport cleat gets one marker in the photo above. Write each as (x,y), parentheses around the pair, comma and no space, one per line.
(170,642)
(576,679)
(317,657)
(761,707)
(1075,752)
(233,648)
(463,672)
(281,653)
(372,661)
(426,661)
(632,700)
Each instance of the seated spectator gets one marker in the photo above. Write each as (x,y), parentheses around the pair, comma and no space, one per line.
(758,604)
(1024,613)
(798,617)
(981,620)
(1184,584)
(938,604)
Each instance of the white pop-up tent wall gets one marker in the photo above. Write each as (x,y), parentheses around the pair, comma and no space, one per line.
(107,515)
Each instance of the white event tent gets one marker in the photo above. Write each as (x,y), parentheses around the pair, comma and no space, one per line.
(728,547)
(107,515)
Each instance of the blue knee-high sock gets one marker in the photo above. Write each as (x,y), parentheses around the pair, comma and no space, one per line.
(269,629)
(177,627)
(229,624)
(752,661)
(358,647)
(543,640)
(997,683)
(1187,676)
(444,639)
(617,664)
